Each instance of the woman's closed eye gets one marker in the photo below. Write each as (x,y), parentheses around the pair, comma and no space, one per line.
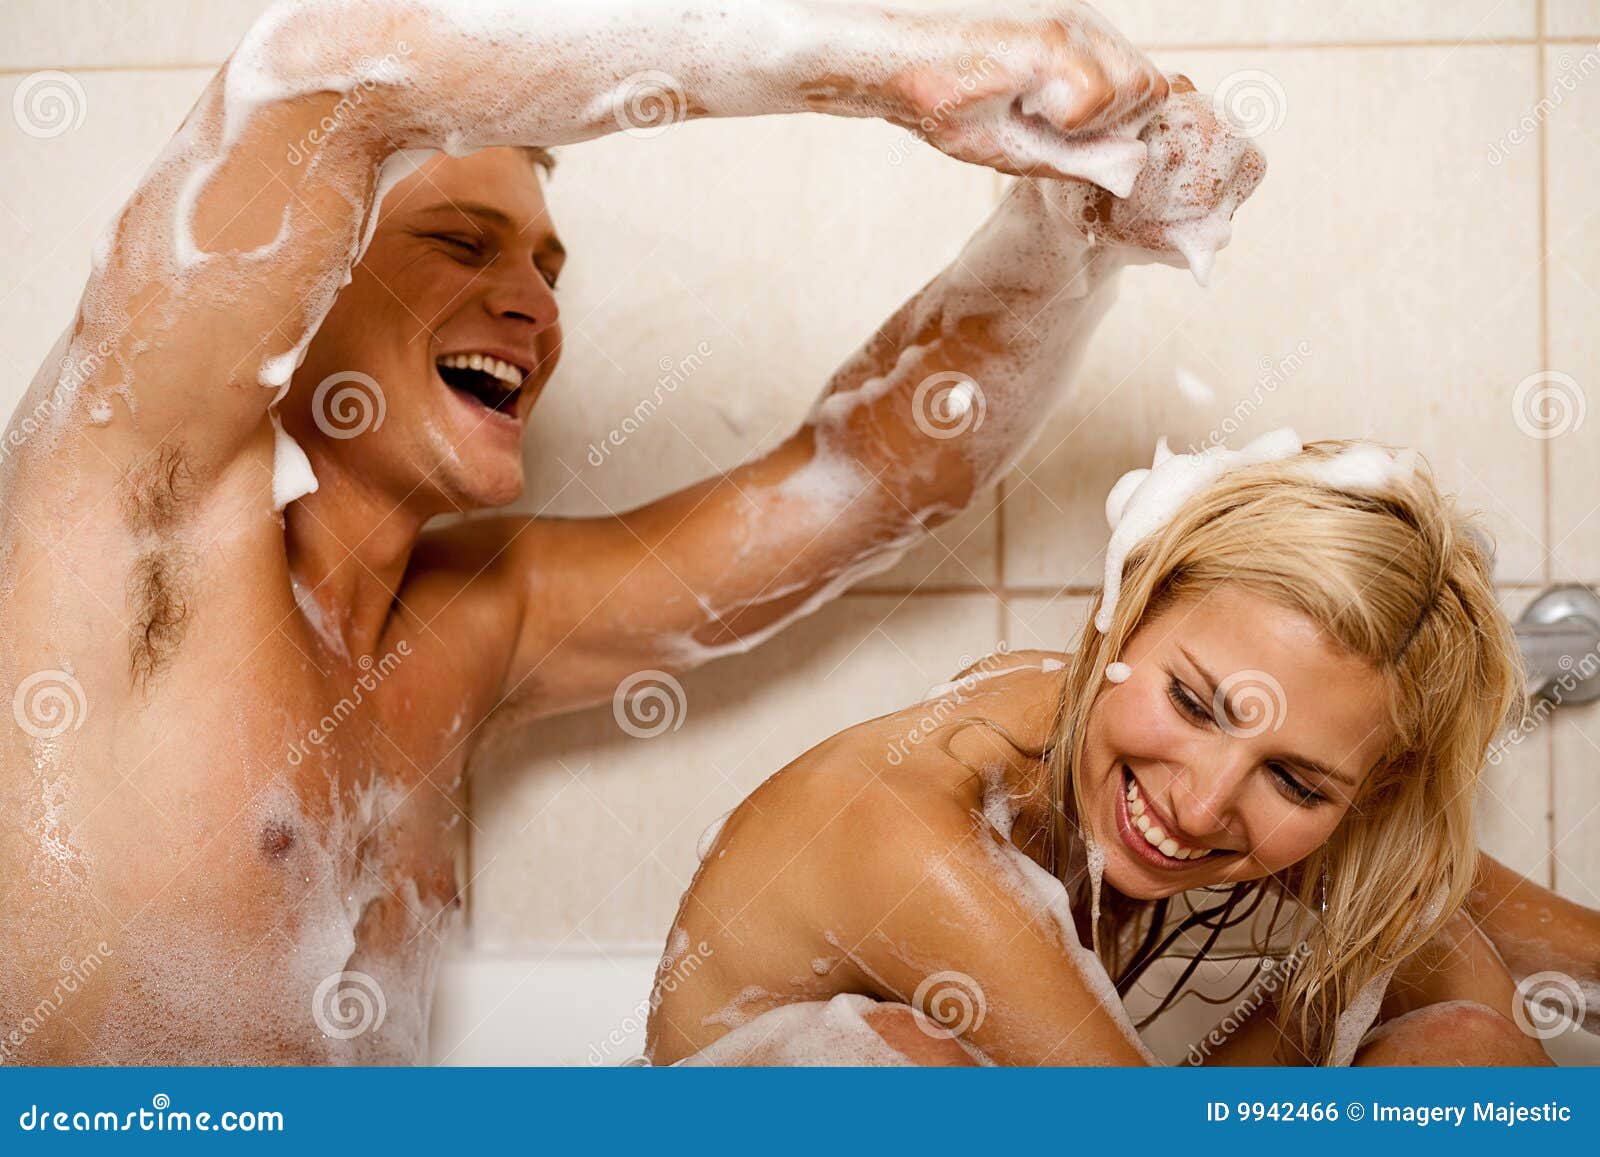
(1195,711)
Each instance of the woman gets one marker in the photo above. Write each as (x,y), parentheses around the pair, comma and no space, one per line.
(1280,707)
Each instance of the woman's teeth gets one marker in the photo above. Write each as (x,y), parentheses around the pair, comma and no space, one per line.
(494,367)
(1152,832)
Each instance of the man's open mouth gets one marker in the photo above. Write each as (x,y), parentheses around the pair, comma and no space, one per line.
(494,384)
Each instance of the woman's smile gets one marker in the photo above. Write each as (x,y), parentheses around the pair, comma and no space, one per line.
(1151,834)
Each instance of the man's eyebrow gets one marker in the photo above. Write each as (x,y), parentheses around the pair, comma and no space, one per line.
(1318,769)
(471,209)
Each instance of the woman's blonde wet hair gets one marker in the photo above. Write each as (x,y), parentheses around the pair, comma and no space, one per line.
(1396,576)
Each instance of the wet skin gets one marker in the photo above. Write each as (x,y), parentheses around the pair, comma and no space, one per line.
(851,872)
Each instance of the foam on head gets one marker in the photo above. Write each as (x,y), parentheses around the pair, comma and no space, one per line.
(1143,501)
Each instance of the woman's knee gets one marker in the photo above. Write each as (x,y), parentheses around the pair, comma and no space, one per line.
(1456,1032)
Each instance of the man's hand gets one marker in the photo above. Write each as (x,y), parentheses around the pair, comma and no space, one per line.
(1200,170)
(1060,94)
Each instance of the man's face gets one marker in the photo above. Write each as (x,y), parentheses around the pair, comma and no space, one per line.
(452,312)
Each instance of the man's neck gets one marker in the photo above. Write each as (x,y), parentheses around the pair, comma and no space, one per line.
(349,544)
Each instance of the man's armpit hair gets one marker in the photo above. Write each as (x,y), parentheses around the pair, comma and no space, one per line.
(155,488)
(160,612)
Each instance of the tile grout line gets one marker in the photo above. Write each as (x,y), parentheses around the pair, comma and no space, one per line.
(1545,453)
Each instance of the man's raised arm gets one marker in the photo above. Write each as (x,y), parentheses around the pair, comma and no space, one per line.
(936,406)
(211,283)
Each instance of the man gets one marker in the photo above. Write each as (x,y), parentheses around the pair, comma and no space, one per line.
(248,682)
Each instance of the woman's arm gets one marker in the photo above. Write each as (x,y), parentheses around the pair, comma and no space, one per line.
(1535,930)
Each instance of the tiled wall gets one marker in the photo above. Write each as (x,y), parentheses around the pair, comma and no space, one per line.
(1406,265)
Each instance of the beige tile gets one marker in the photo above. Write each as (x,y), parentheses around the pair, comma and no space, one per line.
(1384,246)
(1576,735)
(1045,622)
(779,244)
(121,33)
(1573,389)
(1296,21)
(587,833)
(1571,18)
(60,191)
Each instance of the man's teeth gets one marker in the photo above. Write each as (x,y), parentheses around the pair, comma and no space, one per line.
(1152,832)
(494,367)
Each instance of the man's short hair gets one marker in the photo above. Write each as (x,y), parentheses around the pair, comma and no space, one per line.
(542,157)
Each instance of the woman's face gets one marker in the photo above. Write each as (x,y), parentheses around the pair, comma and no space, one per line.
(1232,750)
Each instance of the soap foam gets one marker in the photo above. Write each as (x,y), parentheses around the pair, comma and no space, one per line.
(1143,501)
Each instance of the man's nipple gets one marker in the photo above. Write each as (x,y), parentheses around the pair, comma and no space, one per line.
(277,838)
